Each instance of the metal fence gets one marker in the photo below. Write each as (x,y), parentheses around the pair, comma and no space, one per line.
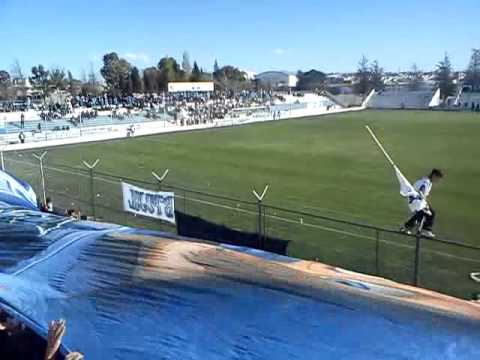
(437,264)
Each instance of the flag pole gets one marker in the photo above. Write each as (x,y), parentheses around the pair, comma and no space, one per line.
(379,144)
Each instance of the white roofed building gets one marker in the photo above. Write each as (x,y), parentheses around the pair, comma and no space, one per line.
(276,80)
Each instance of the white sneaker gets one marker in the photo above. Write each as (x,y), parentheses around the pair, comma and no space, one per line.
(428,233)
(404,230)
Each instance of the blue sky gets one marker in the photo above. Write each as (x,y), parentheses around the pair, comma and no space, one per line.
(256,35)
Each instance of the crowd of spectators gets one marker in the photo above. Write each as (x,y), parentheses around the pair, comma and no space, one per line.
(474,107)
(184,108)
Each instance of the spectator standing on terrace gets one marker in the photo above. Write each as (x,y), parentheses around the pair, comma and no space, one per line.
(21,137)
(22,120)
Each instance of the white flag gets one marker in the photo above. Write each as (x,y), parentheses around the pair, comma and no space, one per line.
(406,189)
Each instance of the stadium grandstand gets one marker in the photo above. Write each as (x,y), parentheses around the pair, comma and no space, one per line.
(402,97)
(76,117)
(349,100)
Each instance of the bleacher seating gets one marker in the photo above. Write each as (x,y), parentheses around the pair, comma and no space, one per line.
(15,127)
(401,98)
(349,100)
(57,124)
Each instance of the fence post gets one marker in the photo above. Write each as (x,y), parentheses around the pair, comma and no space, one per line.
(91,168)
(260,221)
(2,159)
(160,179)
(418,237)
(42,175)
(377,249)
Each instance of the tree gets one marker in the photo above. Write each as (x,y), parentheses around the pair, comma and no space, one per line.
(444,77)
(40,80)
(376,76)
(16,71)
(415,78)
(74,86)
(196,73)
(116,73)
(187,68)
(231,78)
(5,85)
(90,82)
(472,76)
(150,80)
(169,71)
(216,68)
(362,84)
(70,80)
(136,80)
(4,77)
(57,79)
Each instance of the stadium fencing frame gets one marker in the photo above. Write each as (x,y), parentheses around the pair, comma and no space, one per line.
(438,264)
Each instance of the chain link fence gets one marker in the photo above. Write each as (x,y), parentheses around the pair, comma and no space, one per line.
(436,264)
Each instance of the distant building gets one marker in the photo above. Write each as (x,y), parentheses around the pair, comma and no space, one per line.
(276,80)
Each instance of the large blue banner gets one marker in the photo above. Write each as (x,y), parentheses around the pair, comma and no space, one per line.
(16,192)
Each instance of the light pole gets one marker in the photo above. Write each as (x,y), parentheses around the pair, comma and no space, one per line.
(160,179)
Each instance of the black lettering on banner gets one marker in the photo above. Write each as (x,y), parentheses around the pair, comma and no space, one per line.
(152,203)
(136,199)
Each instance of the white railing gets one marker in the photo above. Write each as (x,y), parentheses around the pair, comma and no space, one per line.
(115,131)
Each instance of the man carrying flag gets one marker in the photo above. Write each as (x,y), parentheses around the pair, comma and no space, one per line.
(423,214)
(417,201)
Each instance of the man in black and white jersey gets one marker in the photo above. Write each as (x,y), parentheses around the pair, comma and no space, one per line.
(419,204)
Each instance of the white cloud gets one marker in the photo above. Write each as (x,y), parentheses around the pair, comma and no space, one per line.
(280,51)
(137,57)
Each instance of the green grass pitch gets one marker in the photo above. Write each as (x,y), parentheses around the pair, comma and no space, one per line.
(326,165)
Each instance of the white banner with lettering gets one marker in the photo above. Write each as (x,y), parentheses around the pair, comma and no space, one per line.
(154,204)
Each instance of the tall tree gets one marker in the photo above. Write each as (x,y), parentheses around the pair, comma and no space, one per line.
(216,68)
(57,79)
(186,66)
(415,77)
(116,73)
(150,80)
(472,76)
(196,73)
(40,80)
(169,71)
(74,86)
(90,82)
(362,77)
(136,80)
(376,76)
(230,78)
(16,71)
(70,80)
(444,77)
(5,85)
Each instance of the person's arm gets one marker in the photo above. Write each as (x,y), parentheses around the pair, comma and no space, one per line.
(56,331)
(422,190)
(74,356)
